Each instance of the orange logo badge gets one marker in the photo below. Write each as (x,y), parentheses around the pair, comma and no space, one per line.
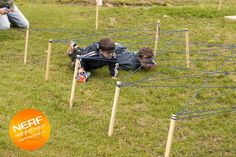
(29,129)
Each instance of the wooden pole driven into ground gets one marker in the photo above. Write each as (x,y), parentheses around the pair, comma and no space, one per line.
(73,88)
(26,44)
(97,14)
(157,36)
(219,7)
(49,51)
(114,108)
(187,48)
(170,136)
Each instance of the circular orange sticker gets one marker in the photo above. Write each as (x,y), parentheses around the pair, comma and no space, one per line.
(29,129)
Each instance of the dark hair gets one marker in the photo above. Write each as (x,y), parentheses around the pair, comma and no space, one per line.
(106,44)
(145,52)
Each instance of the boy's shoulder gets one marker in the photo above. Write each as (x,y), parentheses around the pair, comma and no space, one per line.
(92,47)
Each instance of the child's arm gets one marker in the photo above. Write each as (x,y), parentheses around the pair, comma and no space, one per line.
(113,68)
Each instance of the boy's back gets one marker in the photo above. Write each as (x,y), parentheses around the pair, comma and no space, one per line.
(127,60)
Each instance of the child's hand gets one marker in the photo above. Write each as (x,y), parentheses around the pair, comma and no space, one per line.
(4,11)
(81,70)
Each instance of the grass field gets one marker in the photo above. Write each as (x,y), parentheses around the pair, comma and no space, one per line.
(139,2)
(143,113)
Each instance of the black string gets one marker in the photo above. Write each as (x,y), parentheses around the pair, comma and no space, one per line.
(208,101)
(175,86)
(170,78)
(178,59)
(160,51)
(200,88)
(213,112)
(171,31)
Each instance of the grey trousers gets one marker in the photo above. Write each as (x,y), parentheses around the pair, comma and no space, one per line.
(15,18)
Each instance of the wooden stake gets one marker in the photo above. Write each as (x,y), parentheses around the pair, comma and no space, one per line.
(219,7)
(157,36)
(170,135)
(49,51)
(114,108)
(97,11)
(187,48)
(72,95)
(26,44)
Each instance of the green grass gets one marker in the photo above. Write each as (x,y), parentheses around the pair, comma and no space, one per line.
(143,113)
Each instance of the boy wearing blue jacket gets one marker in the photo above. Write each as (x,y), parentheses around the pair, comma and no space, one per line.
(129,60)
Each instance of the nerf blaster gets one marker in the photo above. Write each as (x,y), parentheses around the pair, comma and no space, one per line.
(83,77)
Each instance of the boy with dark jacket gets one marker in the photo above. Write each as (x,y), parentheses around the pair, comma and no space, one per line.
(94,56)
(129,60)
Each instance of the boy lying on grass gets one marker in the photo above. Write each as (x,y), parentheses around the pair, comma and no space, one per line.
(94,56)
(113,53)
(129,60)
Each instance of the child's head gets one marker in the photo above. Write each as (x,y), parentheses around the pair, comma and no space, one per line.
(146,56)
(106,47)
